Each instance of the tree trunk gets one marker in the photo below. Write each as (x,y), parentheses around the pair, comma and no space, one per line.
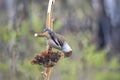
(12,14)
(112,9)
(108,25)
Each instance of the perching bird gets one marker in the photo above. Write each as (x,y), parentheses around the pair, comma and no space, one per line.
(57,41)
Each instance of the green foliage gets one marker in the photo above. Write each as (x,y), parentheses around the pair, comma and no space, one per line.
(107,75)
(114,64)
(37,23)
(24,29)
(95,58)
(4,34)
(3,66)
(57,25)
(67,68)
(29,71)
(5,37)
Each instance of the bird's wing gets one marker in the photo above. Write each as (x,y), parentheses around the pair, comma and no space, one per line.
(49,19)
(60,39)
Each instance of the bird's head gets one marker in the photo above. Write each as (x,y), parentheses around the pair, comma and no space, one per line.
(48,33)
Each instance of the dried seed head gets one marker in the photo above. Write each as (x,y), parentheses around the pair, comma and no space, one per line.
(47,58)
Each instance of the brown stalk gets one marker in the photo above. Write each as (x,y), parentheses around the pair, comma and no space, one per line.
(49,23)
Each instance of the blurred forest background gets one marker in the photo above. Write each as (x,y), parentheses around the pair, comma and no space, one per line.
(91,27)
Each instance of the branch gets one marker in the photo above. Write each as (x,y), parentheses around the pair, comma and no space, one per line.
(49,19)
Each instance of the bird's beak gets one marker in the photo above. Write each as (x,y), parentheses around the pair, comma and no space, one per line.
(41,35)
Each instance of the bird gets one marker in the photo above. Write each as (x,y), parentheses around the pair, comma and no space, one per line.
(56,41)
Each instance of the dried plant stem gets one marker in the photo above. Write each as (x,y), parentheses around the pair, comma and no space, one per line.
(48,71)
(49,23)
(49,19)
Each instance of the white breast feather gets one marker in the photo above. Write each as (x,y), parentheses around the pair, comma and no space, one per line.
(66,47)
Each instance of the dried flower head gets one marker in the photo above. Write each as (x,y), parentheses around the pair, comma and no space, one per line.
(47,58)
